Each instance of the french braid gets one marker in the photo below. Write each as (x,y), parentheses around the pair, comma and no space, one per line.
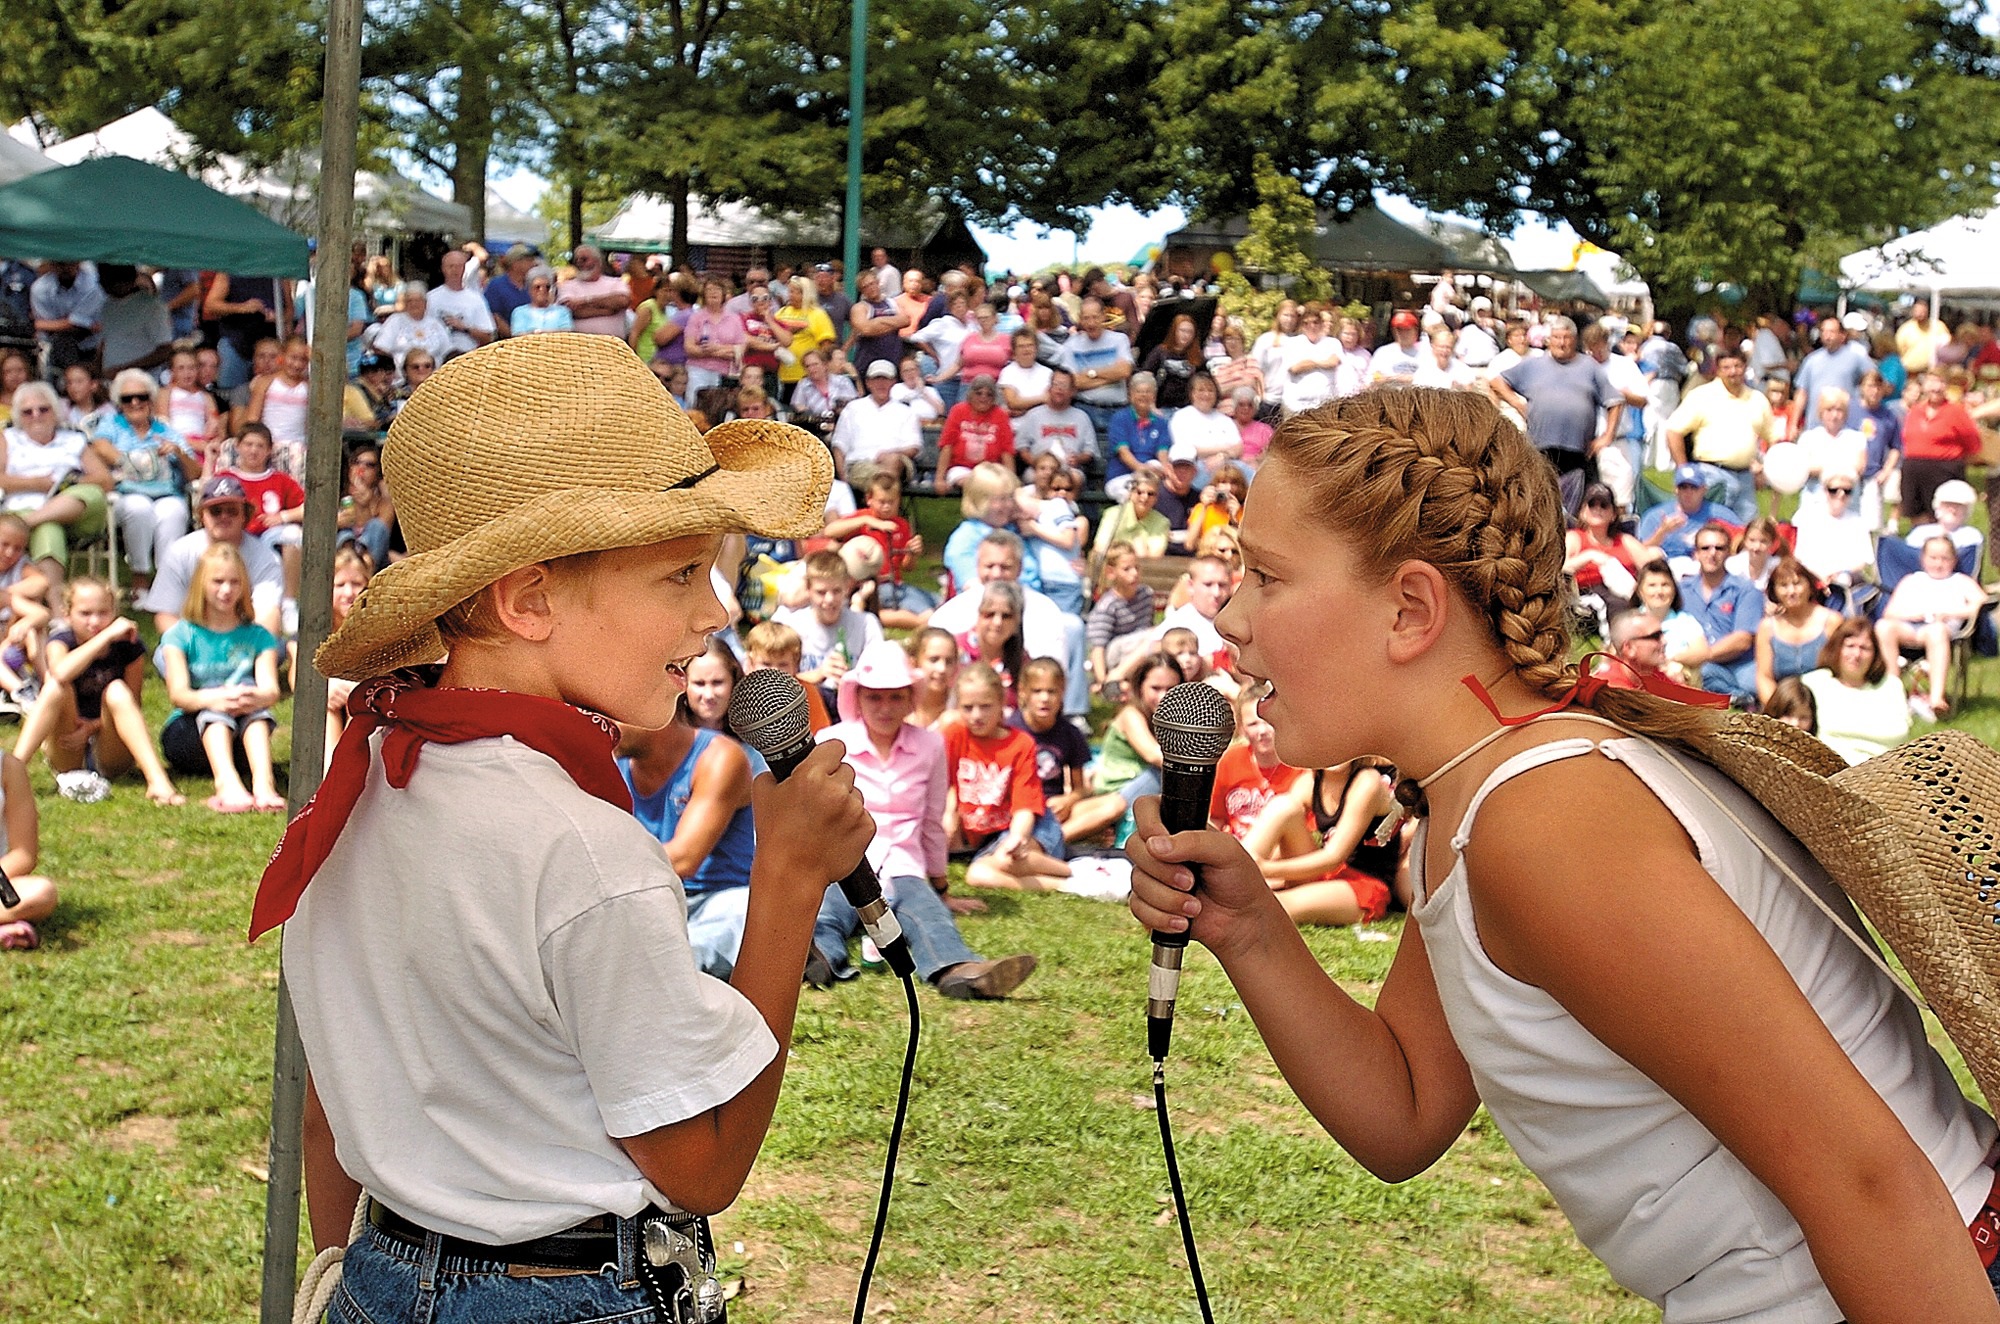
(1405,473)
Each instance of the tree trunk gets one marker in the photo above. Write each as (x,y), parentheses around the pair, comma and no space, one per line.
(468,177)
(679,195)
(575,213)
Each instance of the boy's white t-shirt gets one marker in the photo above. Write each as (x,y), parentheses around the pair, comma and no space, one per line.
(816,640)
(492,978)
(1055,562)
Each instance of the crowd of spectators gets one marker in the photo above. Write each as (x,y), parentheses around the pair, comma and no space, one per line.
(1098,489)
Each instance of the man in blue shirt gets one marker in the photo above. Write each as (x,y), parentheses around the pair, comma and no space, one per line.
(1672,528)
(1729,608)
(1837,362)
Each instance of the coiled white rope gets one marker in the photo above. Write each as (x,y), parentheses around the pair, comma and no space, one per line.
(322,1278)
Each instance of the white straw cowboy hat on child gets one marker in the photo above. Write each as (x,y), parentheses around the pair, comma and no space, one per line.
(547,446)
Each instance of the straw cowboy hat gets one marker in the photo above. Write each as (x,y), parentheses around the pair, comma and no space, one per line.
(1913,837)
(546,446)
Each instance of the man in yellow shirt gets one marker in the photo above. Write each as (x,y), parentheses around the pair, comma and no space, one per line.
(1917,340)
(1729,423)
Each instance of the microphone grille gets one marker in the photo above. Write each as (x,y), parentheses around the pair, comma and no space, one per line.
(767,710)
(1194,723)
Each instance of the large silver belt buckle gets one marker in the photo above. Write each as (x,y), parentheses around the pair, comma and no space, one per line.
(697,1296)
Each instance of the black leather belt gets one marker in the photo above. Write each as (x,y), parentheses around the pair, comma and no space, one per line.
(591,1244)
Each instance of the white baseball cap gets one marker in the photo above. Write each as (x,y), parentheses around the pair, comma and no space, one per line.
(1956,492)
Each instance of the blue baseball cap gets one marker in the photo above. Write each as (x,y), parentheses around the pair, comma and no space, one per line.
(1690,475)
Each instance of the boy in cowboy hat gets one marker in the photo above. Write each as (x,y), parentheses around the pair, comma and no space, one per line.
(512,1049)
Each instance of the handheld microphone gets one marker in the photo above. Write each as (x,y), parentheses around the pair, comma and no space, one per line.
(1194,725)
(768,711)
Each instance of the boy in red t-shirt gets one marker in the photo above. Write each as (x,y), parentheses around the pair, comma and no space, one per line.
(277,502)
(995,794)
(1249,775)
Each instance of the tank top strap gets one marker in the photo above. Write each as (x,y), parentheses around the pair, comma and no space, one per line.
(1527,759)
(681,784)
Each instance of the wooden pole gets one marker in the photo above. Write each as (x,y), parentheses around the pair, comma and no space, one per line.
(339,114)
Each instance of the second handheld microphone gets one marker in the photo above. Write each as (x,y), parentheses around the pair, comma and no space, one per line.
(1194,726)
(768,710)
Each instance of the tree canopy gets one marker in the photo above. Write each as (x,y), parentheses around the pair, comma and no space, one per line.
(1709,141)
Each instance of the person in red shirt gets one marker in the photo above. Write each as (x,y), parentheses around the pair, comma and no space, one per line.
(977,430)
(1939,437)
(277,502)
(995,794)
(1249,775)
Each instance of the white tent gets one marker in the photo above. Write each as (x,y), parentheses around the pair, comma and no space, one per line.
(507,224)
(18,160)
(1958,259)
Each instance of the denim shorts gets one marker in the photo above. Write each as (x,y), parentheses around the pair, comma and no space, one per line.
(386,1280)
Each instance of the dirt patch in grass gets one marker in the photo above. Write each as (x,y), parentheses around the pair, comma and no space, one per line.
(161,1133)
(172,938)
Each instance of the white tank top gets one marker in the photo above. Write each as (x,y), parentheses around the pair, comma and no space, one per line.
(186,411)
(1674,1215)
(285,410)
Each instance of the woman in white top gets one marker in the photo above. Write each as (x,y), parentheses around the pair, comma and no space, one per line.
(1834,541)
(1213,434)
(914,391)
(1308,361)
(1737,1111)
(1862,711)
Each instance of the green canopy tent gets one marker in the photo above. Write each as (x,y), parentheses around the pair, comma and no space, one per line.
(116,209)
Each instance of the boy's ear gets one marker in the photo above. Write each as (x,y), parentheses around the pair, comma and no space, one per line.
(522,603)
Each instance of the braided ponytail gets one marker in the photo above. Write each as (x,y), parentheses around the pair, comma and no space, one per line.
(1405,473)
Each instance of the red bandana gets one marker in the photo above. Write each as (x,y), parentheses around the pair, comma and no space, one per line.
(412,713)
(1587,687)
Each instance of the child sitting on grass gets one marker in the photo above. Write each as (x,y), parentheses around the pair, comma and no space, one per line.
(1129,765)
(776,646)
(1121,622)
(20,847)
(1249,775)
(96,668)
(222,673)
(1314,842)
(902,773)
(1062,753)
(24,611)
(934,654)
(996,794)
(901,606)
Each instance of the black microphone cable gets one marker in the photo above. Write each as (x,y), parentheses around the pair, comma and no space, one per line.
(768,712)
(1194,726)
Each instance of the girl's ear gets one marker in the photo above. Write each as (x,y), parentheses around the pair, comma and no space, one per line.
(1418,595)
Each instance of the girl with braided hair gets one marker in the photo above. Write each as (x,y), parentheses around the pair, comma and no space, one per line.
(1739,1114)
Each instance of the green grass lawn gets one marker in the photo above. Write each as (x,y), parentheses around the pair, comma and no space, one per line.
(135,1078)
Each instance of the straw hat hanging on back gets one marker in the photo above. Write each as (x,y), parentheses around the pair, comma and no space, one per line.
(549,445)
(1913,837)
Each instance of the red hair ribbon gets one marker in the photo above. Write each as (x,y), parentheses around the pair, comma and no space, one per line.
(1588,686)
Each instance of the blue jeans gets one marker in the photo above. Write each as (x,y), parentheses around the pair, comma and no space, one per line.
(383,1280)
(232,369)
(1100,418)
(888,593)
(1076,666)
(373,538)
(933,933)
(1737,679)
(715,928)
(1739,489)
